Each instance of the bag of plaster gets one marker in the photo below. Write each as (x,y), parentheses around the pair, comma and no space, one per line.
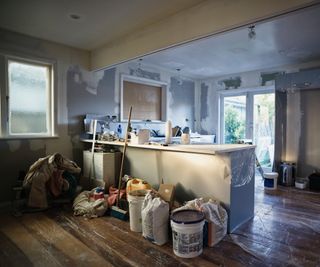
(216,218)
(155,217)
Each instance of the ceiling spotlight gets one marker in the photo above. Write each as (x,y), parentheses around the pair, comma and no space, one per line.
(179,79)
(74,16)
(252,32)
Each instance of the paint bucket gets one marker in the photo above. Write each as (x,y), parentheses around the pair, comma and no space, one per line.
(187,233)
(270,180)
(135,199)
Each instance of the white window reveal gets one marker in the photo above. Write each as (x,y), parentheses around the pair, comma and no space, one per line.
(29,99)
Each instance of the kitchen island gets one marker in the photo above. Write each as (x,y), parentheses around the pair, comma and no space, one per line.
(225,172)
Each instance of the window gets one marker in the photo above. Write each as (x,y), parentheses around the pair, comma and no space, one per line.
(147,98)
(29,97)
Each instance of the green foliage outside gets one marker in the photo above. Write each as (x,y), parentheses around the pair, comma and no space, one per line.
(234,126)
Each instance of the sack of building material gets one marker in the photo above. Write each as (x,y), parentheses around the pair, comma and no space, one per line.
(155,217)
(216,218)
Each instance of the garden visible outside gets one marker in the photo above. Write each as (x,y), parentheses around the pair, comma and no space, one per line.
(263,124)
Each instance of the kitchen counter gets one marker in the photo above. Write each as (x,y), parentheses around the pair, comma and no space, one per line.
(224,172)
(209,149)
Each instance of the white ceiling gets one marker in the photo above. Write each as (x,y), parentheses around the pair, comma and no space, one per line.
(291,39)
(101,21)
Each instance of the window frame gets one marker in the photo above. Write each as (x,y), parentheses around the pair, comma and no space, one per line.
(249,93)
(5,95)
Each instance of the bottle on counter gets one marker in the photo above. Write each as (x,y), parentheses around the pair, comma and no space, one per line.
(168,132)
(119,130)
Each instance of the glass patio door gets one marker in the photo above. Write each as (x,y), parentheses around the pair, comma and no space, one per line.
(234,118)
(249,116)
(263,129)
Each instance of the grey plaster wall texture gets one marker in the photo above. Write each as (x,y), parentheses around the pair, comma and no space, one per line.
(309,150)
(144,74)
(204,113)
(82,100)
(181,107)
(18,154)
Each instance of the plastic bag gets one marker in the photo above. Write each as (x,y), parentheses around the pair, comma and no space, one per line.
(216,218)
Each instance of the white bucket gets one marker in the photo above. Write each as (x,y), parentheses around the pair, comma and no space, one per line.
(187,233)
(135,199)
(270,180)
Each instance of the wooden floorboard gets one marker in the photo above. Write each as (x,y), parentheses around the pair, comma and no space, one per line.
(284,232)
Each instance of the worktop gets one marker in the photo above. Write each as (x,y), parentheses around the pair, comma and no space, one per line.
(209,149)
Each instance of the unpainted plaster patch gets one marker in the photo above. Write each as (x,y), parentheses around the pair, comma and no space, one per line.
(90,79)
(14,145)
(267,78)
(231,83)
(144,74)
(182,101)
(36,145)
(204,101)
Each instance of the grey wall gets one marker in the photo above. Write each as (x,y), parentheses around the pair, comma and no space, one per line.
(84,97)
(19,154)
(180,92)
(77,92)
(181,103)
(209,91)
(297,118)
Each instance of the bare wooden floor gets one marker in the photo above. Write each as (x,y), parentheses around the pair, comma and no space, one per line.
(284,232)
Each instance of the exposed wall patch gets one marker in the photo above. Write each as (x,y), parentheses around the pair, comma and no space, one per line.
(144,74)
(204,101)
(182,102)
(269,77)
(231,83)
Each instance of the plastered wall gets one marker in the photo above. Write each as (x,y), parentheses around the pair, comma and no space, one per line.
(180,92)
(19,154)
(208,101)
(297,121)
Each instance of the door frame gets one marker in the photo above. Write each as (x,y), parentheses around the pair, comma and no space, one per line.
(249,93)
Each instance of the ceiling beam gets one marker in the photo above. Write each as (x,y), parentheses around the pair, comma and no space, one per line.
(207,18)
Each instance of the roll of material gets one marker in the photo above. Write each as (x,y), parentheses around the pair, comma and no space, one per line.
(168,132)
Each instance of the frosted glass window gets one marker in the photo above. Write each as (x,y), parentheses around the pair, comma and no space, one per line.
(29,98)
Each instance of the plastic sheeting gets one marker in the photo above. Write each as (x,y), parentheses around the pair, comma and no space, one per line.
(215,215)
(242,167)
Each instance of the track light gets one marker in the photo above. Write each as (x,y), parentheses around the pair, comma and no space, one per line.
(179,79)
(252,32)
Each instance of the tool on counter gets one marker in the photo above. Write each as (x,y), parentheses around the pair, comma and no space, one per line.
(116,211)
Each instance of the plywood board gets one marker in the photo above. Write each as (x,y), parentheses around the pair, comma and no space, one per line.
(145,101)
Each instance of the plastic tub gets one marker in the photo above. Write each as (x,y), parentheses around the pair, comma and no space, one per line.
(270,180)
(187,233)
(301,183)
(135,199)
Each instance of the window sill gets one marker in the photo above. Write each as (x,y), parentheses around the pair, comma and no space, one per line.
(28,137)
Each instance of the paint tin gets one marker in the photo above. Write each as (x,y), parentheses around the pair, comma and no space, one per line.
(270,180)
(187,233)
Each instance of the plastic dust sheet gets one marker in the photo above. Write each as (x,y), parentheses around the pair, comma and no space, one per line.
(242,167)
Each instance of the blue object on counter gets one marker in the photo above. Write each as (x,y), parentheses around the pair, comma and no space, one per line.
(119,130)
